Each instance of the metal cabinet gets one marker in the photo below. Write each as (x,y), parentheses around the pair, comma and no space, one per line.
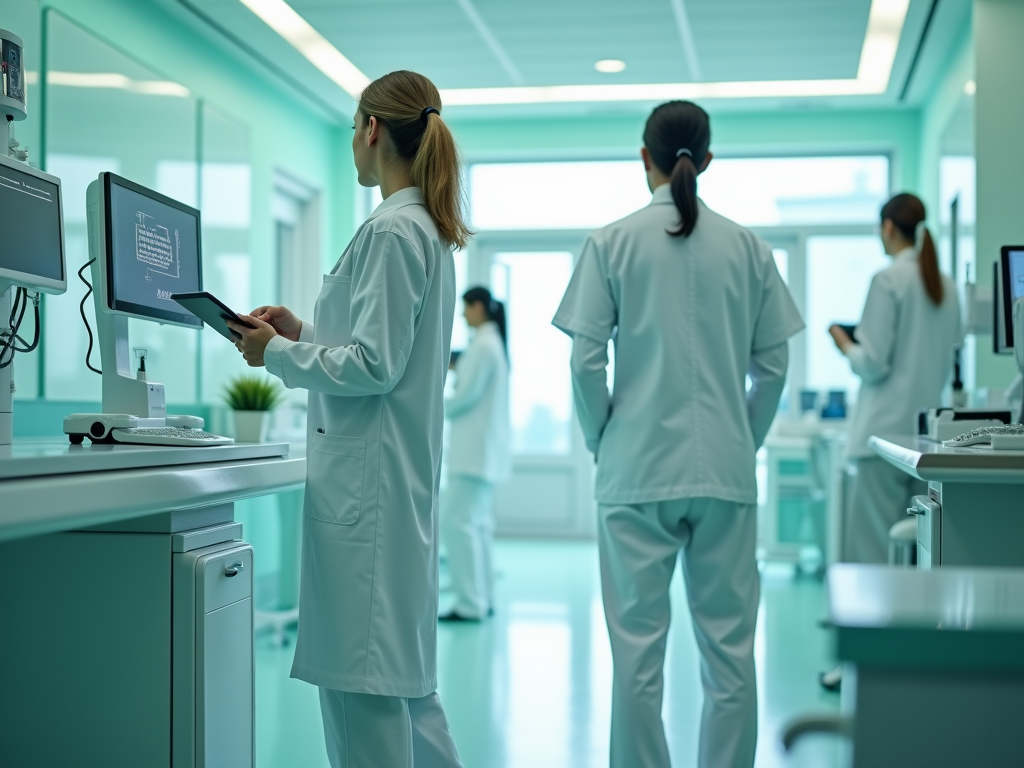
(132,642)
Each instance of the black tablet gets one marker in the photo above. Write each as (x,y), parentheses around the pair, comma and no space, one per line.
(851,331)
(211,311)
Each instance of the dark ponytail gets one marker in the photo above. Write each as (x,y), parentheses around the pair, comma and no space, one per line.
(495,310)
(907,213)
(677,136)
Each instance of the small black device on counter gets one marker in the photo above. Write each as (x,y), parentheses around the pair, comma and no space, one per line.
(211,311)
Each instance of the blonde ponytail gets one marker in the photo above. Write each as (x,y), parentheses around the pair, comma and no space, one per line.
(409,106)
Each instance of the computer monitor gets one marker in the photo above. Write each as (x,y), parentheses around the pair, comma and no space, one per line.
(31,229)
(145,246)
(1009,288)
(148,248)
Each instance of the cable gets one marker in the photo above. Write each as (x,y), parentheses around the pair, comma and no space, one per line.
(81,309)
(10,346)
(25,346)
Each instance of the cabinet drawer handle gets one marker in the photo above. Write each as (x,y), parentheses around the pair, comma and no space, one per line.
(234,569)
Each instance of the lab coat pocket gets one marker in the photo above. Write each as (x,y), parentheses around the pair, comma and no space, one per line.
(334,472)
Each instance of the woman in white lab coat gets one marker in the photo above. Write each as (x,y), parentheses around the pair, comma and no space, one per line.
(695,305)
(903,354)
(375,361)
(478,457)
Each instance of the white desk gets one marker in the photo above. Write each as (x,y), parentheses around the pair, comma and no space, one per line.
(48,485)
(975,514)
(937,664)
(127,627)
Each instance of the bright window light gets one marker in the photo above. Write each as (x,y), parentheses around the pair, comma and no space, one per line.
(610,65)
(970,87)
(772,191)
(283,19)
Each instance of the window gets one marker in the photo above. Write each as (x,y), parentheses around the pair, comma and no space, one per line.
(774,191)
(569,195)
(839,272)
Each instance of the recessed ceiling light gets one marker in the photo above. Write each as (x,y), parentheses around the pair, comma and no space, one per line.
(610,65)
(970,87)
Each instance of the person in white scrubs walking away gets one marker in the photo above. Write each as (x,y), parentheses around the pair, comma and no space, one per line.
(695,304)
(903,354)
(375,361)
(478,457)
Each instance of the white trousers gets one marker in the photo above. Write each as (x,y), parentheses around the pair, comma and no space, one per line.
(877,498)
(714,541)
(467,530)
(367,731)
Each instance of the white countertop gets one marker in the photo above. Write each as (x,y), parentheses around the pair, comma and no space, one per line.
(931,461)
(948,617)
(49,485)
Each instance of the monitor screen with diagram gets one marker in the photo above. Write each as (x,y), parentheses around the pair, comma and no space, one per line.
(153,251)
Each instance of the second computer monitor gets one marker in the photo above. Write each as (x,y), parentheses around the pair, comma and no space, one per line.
(152,250)
(31,229)
(1009,288)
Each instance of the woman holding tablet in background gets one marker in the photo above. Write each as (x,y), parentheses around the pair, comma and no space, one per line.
(375,362)
(904,358)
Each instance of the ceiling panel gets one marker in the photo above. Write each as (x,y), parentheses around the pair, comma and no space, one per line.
(558,41)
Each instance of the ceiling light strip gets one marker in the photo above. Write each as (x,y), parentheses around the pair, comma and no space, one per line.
(283,19)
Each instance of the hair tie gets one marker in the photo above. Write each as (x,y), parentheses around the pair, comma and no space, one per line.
(919,232)
(681,152)
(426,113)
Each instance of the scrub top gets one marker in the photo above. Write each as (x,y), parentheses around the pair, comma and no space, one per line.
(374,361)
(687,314)
(478,410)
(903,354)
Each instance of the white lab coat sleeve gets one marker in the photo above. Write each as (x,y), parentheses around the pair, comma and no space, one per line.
(588,307)
(777,317)
(871,357)
(590,387)
(767,373)
(473,373)
(306,332)
(388,285)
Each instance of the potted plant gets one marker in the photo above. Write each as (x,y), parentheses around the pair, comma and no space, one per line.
(252,397)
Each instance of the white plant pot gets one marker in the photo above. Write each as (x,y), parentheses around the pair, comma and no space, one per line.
(251,426)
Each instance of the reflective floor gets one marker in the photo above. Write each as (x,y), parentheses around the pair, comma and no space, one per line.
(531,687)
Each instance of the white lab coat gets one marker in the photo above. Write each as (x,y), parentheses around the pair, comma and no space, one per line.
(478,409)
(675,444)
(691,317)
(374,362)
(904,358)
(904,352)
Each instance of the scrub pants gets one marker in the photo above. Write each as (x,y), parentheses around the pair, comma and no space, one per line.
(367,731)
(714,541)
(467,530)
(877,499)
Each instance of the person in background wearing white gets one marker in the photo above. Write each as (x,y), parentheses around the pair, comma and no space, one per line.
(903,354)
(478,457)
(695,305)
(375,361)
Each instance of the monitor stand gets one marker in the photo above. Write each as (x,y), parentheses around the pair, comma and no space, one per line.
(122,391)
(6,374)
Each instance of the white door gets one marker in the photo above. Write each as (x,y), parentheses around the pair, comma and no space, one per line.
(551,490)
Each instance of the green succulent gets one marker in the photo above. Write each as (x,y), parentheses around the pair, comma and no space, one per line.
(252,393)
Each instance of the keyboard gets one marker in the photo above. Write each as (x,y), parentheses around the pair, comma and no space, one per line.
(1009,436)
(168,436)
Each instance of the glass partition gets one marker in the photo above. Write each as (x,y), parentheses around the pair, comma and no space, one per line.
(107,112)
(228,269)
